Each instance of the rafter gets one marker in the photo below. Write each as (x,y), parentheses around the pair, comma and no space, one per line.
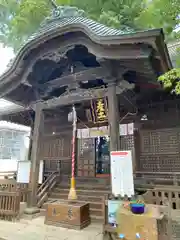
(79,96)
(85,75)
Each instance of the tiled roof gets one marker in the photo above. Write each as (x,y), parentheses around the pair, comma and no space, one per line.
(93,26)
(172,47)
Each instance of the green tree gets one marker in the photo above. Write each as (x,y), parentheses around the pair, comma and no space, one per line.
(161,14)
(171,79)
(20,18)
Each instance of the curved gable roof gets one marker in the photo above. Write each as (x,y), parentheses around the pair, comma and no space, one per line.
(67,19)
(62,18)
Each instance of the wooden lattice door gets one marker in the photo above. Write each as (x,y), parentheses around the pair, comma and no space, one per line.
(86,157)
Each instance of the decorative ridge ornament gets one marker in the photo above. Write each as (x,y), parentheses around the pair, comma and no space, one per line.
(54,5)
(60,12)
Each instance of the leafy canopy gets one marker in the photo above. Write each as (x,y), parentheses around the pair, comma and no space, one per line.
(20,18)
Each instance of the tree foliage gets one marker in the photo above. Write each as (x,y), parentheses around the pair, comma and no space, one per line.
(20,18)
(171,79)
(161,14)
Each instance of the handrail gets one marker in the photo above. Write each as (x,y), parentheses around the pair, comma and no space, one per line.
(46,181)
(48,184)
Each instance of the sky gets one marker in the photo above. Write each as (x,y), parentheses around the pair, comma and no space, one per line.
(6,54)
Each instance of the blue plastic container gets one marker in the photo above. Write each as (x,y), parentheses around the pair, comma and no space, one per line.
(137,208)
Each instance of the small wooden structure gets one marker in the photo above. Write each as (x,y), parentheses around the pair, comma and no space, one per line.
(145,225)
(12,186)
(157,222)
(110,76)
(11,196)
(70,215)
(9,205)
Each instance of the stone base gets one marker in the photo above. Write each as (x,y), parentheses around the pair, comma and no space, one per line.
(23,206)
(31,213)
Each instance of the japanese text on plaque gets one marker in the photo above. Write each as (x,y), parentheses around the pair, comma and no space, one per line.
(99,110)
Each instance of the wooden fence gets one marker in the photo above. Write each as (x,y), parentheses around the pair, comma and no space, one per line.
(11,194)
(9,205)
(12,186)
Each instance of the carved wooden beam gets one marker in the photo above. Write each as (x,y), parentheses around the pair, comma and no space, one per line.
(79,96)
(85,75)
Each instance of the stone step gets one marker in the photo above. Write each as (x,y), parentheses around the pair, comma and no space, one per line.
(84,186)
(93,180)
(89,192)
(97,219)
(88,198)
(81,195)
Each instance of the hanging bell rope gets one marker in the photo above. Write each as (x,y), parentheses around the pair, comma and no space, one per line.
(72,193)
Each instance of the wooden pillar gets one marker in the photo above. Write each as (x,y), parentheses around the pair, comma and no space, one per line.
(35,161)
(113,117)
(30,143)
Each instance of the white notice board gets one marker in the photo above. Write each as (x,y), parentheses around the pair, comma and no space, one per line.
(23,172)
(122,173)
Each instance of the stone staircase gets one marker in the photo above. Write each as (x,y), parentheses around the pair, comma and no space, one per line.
(89,190)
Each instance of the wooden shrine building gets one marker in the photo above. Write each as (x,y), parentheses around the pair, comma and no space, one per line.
(110,76)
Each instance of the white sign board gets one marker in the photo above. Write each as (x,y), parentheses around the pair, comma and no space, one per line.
(123,129)
(8,165)
(23,172)
(122,173)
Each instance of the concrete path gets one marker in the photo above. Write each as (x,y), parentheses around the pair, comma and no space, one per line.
(36,230)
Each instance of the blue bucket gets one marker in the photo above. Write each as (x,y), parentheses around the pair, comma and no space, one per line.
(137,208)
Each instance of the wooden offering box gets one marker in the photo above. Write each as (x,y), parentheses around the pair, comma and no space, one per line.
(68,215)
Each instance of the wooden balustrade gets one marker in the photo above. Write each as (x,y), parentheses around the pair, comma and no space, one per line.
(12,186)
(48,184)
(9,205)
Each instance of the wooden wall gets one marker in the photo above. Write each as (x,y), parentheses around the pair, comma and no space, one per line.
(158,140)
(55,143)
(155,144)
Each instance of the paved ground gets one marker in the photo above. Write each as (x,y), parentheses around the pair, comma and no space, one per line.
(36,230)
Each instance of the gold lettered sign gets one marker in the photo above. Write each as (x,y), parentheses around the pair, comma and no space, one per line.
(99,109)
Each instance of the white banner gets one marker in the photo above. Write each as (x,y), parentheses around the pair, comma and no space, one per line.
(124,130)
